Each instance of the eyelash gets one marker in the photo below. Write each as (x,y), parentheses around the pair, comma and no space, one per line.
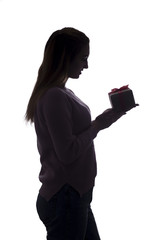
(84,59)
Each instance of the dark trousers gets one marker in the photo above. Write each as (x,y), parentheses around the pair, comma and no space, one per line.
(67,216)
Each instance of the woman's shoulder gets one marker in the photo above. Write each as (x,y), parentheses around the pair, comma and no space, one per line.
(54,95)
(55,92)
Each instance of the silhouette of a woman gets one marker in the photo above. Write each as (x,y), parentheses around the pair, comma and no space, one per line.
(65,136)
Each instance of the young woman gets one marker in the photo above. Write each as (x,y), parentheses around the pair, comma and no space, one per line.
(65,136)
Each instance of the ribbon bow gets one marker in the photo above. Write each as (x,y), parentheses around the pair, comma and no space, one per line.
(114,90)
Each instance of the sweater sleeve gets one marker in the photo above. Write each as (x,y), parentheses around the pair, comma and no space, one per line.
(57,112)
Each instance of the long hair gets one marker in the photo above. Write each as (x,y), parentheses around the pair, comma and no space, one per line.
(61,48)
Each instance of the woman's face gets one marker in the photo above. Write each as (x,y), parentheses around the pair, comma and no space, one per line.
(79,63)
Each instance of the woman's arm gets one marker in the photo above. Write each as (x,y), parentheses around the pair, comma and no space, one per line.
(57,112)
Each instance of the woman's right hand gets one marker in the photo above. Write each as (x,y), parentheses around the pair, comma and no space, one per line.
(107,118)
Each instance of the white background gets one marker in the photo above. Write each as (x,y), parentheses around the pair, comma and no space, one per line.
(125,49)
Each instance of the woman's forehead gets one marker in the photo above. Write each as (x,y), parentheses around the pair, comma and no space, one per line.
(85,50)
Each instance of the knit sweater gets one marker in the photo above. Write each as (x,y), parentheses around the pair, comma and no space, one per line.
(65,142)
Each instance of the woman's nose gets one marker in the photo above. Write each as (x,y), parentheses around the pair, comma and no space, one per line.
(86,64)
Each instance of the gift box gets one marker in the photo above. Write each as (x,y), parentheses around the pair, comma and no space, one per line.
(122,99)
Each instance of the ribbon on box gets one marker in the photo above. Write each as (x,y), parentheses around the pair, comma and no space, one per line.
(114,90)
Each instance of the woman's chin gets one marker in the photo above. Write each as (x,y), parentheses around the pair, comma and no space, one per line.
(76,76)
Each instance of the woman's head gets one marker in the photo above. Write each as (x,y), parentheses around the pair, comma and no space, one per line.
(61,50)
(65,55)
